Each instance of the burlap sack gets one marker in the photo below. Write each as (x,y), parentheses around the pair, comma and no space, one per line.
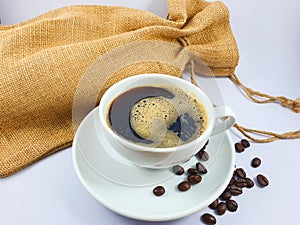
(43,59)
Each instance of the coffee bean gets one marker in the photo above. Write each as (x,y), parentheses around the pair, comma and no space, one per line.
(231,205)
(240,172)
(262,180)
(241,182)
(178,170)
(200,151)
(159,190)
(194,179)
(245,143)
(232,180)
(227,188)
(234,173)
(225,195)
(184,186)
(250,183)
(206,143)
(203,148)
(221,208)
(214,204)
(235,190)
(192,171)
(255,162)
(201,168)
(208,219)
(239,147)
(203,155)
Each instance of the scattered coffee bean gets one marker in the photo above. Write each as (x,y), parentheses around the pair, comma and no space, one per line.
(241,182)
(159,190)
(203,155)
(227,188)
(235,190)
(239,147)
(206,143)
(234,173)
(250,183)
(194,179)
(240,172)
(262,180)
(231,205)
(192,171)
(245,143)
(236,184)
(200,151)
(178,170)
(208,219)
(214,204)
(184,186)
(225,195)
(203,148)
(255,162)
(201,168)
(221,208)
(232,180)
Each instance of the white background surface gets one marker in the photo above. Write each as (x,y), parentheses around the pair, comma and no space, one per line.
(268,36)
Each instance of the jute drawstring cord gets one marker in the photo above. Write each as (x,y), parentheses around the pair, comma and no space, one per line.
(294,105)
(248,132)
(271,136)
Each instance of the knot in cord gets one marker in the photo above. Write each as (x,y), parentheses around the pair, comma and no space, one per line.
(293,104)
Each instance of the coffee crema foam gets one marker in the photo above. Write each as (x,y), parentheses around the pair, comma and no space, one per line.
(152,118)
(158,116)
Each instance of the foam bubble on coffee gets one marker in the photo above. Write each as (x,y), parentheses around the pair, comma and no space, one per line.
(152,115)
(168,122)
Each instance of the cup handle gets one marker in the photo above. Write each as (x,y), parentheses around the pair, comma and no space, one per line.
(228,119)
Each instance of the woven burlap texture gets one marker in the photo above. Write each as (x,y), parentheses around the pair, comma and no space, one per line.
(43,59)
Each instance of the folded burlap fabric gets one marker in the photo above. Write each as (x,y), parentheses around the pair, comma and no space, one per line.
(42,61)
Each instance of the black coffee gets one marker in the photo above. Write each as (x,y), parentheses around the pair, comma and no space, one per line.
(160,116)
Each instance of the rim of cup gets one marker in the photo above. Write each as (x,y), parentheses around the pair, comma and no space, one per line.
(129,83)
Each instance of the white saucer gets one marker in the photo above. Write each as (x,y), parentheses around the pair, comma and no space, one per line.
(127,189)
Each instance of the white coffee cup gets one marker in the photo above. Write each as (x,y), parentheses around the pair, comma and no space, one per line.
(153,157)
